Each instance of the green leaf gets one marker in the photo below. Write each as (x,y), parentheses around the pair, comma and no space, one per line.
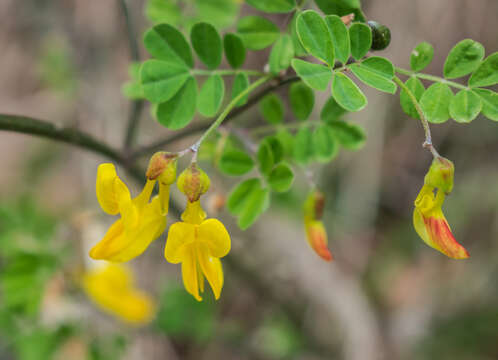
(303,146)
(235,51)
(220,13)
(177,112)
(240,83)
(265,157)
(133,89)
(465,106)
(464,58)
(487,72)
(417,89)
(161,11)
(302,100)
(287,140)
(166,43)
(340,37)
(281,178)
(235,162)
(489,103)
(331,111)
(273,6)
(361,39)
(281,54)
(276,148)
(207,44)
(435,103)
(211,95)
(314,75)
(257,32)
(350,136)
(376,72)
(325,144)
(161,80)
(341,8)
(347,94)
(298,47)
(272,109)
(421,56)
(315,36)
(248,200)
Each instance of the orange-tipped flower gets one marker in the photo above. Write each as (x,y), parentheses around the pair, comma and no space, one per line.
(315,231)
(428,217)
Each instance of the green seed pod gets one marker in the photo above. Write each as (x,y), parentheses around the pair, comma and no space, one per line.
(381,35)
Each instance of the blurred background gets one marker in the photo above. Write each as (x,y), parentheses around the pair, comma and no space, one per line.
(386,296)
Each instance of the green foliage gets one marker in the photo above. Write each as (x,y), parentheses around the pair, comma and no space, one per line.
(417,89)
(257,32)
(274,6)
(340,37)
(302,100)
(265,158)
(235,162)
(161,80)
(347,94)
(325,144)
(177,112)
(240,84)
(248,200)
(211,95)
(464,58)
(272,109)
(167,43)
(350,136)
(361,40)
(133,89)
(381,35)
(281,54)
(303,146)
(489,103)
(235,51)
(341,8)
(315,36)
(207,44)
(331,111)
(314,75)
(376,72)
(465,106)
(281,178)
(487,72)
(421,56)
(435,102)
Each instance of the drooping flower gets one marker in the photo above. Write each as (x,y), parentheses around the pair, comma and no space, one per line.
(196,242)
(142,221)
(428,218)
(111,287)
(315,231)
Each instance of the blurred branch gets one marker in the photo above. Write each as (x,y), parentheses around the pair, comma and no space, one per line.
(136,106)
(158,145)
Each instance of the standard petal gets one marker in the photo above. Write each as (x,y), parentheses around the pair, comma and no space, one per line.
(216,236)
(317,238)
(211,268)
(440,233)
(189,273)
(179,235)
(106,174)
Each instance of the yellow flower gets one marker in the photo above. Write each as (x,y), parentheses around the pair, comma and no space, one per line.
(141,221)
(428,217)
(111,287)
(315,231)
(196,242)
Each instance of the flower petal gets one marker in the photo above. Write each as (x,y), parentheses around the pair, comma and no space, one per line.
(112,242)
(179,235)
(211,268)
(317,238)
(110,190)
(189,273)
(216,236)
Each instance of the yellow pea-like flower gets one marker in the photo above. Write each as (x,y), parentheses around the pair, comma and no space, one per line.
(315,231)
(111,287)
(141,221)
(195,242)
(428,218)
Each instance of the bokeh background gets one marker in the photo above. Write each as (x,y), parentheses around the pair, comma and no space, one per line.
(386,295)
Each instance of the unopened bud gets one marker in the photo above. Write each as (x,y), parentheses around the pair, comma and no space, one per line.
(313,206)
(193,182)
(162,167)
(440,174)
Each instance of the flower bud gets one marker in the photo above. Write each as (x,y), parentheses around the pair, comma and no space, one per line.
(440,175)
(162,167)
(193,182)
(313,206)
(315,231)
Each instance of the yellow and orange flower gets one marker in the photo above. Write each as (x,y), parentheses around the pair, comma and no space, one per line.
(315,231)
(428,218)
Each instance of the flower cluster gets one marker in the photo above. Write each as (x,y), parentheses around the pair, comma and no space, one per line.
(428,217)
(198,243)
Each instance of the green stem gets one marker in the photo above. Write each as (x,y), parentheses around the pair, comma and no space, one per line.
(227,110)
(431,78)
(428,139)
(227,72)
